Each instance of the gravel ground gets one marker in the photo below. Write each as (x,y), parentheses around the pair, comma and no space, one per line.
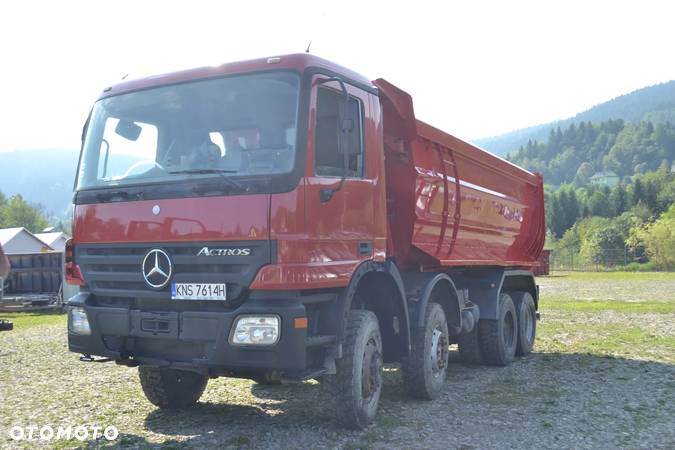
(601,379)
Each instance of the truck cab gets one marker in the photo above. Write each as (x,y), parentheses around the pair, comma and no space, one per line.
(258,220)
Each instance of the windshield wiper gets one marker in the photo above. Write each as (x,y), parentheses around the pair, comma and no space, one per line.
(204,188)
(203,171)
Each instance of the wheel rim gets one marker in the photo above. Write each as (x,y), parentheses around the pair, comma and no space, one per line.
(371,371)
(529,325)
(509,330)
(439,352)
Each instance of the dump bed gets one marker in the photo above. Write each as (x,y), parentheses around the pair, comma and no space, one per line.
(451,203)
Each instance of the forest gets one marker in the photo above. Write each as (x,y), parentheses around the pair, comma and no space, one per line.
(635,214)
(17,212)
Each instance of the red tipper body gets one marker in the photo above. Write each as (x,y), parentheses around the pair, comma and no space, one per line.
(451,203)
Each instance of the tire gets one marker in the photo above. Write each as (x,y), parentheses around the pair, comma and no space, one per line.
(499,338)
(425,369)
(357,397)
(469,347)
(527,322)
(6,325)
(171,388)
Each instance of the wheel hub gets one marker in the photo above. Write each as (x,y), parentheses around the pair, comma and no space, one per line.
(509,330)
(439,351)
(371,371)
(529,327)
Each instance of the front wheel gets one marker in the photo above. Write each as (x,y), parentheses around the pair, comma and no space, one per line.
(357,384)
(424,370)
(171,388)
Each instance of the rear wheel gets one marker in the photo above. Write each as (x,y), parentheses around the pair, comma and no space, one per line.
(498,338)
(357,384)
(171,388)
(425,369)
(527,322)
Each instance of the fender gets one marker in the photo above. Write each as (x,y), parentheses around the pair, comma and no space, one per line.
(419,287)
(484,287)
(346,298)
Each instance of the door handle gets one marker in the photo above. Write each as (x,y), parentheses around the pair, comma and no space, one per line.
(365,248)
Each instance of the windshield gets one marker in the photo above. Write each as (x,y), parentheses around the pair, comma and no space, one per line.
(236,126)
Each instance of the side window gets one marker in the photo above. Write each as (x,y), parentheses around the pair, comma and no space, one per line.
(329,160)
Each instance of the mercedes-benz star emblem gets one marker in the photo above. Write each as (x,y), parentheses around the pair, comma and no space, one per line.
(157,268)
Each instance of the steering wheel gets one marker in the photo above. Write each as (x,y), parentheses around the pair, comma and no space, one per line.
(144,162)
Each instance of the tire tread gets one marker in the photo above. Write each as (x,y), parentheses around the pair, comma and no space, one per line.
(156,388)
(340,384)
(413,367)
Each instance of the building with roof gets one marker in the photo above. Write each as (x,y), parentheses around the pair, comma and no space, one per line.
(605,178)
(56,240)
(36,276)
(19,241)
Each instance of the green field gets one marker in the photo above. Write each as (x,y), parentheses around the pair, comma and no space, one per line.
(602,376)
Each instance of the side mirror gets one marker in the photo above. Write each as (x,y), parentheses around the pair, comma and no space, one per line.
(346,130)
(128,130)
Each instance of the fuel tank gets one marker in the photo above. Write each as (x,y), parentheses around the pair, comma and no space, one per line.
(451,203)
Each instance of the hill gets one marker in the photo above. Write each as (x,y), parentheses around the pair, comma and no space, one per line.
(577,152)
(43,177)
(654,103)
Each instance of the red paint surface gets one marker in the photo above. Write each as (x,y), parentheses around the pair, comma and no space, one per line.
(179,220)
(451,203)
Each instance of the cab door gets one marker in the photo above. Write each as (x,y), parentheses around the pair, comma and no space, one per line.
(339,213)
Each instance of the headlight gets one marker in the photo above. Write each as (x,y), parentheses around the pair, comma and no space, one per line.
(79,323)
(255,330)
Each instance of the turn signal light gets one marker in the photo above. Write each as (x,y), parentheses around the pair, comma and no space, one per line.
(72,270)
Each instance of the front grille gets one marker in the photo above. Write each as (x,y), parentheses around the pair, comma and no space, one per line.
(115,270)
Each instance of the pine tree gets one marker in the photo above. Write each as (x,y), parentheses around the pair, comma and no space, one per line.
(618,200)
(638,192)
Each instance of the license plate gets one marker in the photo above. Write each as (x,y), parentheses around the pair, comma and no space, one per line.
(198,291)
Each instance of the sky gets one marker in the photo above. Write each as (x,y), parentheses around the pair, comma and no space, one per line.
(474,68)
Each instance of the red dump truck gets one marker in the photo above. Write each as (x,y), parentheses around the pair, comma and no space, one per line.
(287,219)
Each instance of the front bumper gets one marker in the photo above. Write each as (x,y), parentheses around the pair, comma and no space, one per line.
(191,339)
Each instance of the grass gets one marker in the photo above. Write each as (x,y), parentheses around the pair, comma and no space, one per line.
(23,320)
(618,340)
(572,305)
(619,314)
(617,276)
